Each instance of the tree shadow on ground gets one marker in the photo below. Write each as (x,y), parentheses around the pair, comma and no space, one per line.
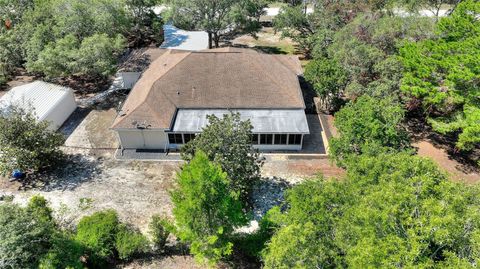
(68,175)
(419,129)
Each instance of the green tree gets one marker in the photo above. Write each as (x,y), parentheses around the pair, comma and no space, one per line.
(24,237)
(390,211)
(159,230)
(328,79)
(217,18)
(129,242)
(206,210)
(227,141)
(25,143)
(366,50)
(62,37)
(443,72)
(98,233)
(65,252)
(368,126)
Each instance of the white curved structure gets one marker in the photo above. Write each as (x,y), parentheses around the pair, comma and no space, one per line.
(49,102)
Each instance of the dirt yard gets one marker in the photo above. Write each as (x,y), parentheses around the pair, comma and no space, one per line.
(268,41)
(455,169)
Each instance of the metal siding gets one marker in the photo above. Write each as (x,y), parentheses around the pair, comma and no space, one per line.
(263,120)
(50,102)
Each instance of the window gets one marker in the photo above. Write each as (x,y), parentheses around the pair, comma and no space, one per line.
(175,138)
(266,139)
(188,137)
(280,139)
(254,139)
(295,139)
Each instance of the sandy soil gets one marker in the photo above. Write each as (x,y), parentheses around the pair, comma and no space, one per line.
(456,170)
(296,170)
(267,41)
(136,190)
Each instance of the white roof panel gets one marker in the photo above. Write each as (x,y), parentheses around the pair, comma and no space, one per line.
(292,121)
(40,96)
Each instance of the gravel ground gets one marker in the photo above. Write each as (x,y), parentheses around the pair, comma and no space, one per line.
(137,190)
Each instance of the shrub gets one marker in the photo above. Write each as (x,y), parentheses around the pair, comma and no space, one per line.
(24,238)
(159,230)
(65,252)
(38,206)
(129,242)
(206,210)
(97,232)
(25,143)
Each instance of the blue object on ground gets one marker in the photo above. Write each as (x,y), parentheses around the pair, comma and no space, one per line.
(17,174)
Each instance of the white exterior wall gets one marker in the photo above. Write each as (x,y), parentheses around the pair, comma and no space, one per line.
(142,139)
(49,102)
(129,79)
(59,113)
(277,147)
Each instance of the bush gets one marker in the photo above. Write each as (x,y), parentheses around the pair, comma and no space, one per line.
(26,144)
(65,252)
(252,244)
(206,210)
(38,206)
(160,229)
(24,238)
(129,242)
(98,232)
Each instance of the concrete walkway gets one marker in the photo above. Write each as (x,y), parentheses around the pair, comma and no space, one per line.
(184,40)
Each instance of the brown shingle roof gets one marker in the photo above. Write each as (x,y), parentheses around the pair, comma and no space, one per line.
(222,78)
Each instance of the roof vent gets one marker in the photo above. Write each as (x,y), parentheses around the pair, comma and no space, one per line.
(178,93)
(121,113)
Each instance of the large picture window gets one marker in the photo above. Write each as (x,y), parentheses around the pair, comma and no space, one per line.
(175,138)
(188,137)
(280,139)
(254,139)
(266,139)
(295,139)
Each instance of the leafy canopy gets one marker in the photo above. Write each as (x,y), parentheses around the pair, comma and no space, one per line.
(368,126)
(217,18)
(443,73)
(206,210)
(25,143)
(25,234)
(227,141)
(390,211)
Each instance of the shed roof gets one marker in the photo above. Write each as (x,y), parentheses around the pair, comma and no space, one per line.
(40,96)
(292,121)
(226,78)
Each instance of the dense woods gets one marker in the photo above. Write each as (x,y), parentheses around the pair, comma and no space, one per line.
(58,38)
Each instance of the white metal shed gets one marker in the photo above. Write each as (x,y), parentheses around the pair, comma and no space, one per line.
(49,102)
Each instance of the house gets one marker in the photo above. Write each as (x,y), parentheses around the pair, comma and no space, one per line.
(169,105)
(49,102)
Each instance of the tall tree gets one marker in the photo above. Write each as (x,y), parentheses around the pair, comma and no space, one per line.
(391,211)
(368,126)
(227,141)
(443,73)
(206,210)
(217,17)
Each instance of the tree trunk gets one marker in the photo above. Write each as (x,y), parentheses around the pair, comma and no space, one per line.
(216,38)
(210,39)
